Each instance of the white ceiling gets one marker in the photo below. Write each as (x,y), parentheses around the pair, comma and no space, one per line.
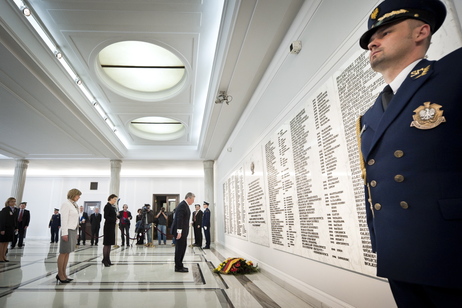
(226,45)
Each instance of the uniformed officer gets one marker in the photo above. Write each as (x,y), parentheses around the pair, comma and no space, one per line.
(411,150)
(54,225)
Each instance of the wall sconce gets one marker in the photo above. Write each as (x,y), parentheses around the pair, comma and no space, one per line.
(223,97)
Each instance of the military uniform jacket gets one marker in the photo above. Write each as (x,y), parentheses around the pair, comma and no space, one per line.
(206,218)
(413,159)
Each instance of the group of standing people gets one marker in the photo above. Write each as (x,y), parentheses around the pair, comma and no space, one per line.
(13,226)
(201,220)
(71,219)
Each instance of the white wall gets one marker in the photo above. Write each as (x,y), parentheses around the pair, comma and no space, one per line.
(43,194)
(329,31)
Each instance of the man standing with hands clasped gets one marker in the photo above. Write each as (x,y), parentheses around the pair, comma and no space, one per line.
(197,226)
(180,229)
(95,223)
(411,149)
(206,225)
(23,223)
(83,218)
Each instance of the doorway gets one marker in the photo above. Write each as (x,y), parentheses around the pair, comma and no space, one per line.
(169,202)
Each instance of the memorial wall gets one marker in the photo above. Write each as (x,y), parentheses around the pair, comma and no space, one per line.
(300,189)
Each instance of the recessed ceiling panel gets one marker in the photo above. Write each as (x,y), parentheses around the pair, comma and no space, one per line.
(157,128)
(141,66)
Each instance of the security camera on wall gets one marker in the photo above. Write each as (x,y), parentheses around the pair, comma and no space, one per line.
(295,47)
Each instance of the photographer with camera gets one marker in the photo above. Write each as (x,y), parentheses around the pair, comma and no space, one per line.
(124,224)
(162,226)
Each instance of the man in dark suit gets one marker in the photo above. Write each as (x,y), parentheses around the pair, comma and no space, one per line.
(197,226)
(23,223)
(54,225)
(83,218)
(206,225)
(411,156)
(95,224)
(180,229)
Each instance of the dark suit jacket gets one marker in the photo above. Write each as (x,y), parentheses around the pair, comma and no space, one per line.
(95,221)
(84,216)
(25,218)
(182,219)
(415,176)
(198,221)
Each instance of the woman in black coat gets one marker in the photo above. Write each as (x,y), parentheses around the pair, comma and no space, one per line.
(8,221)
(110,216)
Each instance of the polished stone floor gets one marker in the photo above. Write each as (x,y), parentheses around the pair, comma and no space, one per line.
(140,277)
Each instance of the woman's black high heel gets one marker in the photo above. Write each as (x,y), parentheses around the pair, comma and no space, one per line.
(106,264)
(62,281)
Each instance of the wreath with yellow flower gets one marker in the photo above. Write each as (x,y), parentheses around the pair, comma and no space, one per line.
(236,266)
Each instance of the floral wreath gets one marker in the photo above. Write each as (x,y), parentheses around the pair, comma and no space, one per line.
(236,266)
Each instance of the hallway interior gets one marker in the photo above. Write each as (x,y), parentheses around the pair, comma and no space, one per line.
(140,277)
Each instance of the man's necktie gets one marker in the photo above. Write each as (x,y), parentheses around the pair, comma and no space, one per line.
(20,216)
(387,95)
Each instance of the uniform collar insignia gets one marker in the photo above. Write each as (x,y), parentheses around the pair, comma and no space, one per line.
(420,72)
(428,116)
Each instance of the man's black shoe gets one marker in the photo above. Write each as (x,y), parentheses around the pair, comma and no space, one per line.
(206,247)
(182,270)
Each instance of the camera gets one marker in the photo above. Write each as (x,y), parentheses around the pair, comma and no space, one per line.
(145,208)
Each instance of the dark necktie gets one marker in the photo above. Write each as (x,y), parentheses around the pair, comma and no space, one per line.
(20,216)
(387,95)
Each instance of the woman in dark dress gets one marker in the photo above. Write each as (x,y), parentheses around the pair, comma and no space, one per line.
(110,216)
(8,220)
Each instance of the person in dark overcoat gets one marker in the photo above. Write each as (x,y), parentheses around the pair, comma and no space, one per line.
(110,219)
(180,229)
(95,223)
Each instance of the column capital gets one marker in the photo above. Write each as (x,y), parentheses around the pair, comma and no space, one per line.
(21,163)
(116,163)
(208,163)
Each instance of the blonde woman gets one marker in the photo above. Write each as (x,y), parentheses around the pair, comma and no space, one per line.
(8,226)
(69,226)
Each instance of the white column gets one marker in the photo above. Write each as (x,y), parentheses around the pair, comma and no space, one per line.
(208,193)
(114,187)
(19,179)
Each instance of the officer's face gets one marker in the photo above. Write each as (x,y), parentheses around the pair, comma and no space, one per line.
(392,46)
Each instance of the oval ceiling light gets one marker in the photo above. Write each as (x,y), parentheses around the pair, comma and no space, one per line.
(141,66)
(157,128)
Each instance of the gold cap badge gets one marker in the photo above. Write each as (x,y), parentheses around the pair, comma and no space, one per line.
(428,116)
(374,13)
